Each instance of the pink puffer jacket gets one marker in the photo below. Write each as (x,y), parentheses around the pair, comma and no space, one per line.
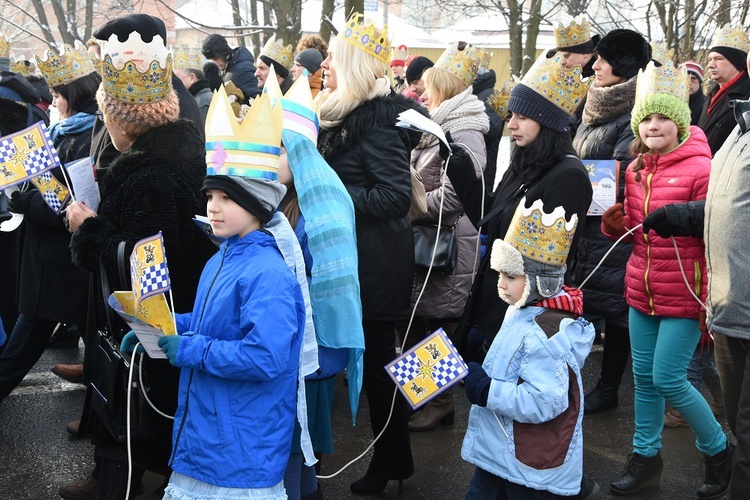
(654,284)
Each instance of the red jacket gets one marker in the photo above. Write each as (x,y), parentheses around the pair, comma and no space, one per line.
(654,284)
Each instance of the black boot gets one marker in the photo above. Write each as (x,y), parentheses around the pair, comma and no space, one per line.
(603,397)
(718,473)
(640,473)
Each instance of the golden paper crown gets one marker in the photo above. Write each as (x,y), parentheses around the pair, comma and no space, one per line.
(22,66)
(187,58)
(4,46)
(134,71)
(575,33)
(461,63)
(276,50)
(484,58)
(297,106)
(498,101)
(541,236)
(363,36)
(666,79)
(71,64)
(734,37)
(660,53)
(565,88)
(250,149)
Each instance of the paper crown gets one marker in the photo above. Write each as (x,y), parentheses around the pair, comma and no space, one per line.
(276,50)
(399,56)
(661,53)
(734,37)
(666,79)
(498,100)
(578,31)
(187,58)
(461,63)
(565,88)
(484,58)
(297,105)
(70,64)
(134,71)
(250,149)
(22,66)
(4,46)
(363,36)
(541,236)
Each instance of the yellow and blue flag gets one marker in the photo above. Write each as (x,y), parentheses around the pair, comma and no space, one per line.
(148,268)
(427,369)
(54,193)
(26,154)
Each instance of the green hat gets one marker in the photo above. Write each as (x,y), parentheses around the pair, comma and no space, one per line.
(663,90)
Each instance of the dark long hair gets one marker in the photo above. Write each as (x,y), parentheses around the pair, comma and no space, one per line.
(80,93)
(531,162)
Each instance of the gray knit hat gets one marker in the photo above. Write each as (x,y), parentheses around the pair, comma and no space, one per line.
(311,59)
(260,197)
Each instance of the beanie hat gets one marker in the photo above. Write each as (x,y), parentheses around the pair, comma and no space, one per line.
(310,59)
(693,68)
(663,90)
(280,69)
(524,101)
(216,46)
(626,51)
(258,196)
(736,57)
(147,26)
(416,68)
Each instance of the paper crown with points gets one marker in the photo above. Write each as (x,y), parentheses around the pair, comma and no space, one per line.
(565,88)
(297,105)
(250,149)
(22,66)
(363,36)
(136,72)
(276,50)
(735,37)
(399,55)
(187,58)
(661,53)
(576,32)
(484,58)
(4,46)
(498,100)
(666,79)
(69,65)
(461,63)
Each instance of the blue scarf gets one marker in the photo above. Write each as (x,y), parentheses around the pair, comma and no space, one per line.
(72,125)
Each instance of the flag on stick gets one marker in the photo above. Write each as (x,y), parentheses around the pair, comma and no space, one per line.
(148,268)
(54,193)
(26,154)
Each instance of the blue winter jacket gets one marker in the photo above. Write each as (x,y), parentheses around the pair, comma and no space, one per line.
(530,432)
(240,358)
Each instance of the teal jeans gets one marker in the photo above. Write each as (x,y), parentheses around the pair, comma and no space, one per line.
(662,348)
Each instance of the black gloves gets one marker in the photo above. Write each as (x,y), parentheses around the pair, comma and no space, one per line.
(678,219)
(444,152)
(19,202)
(459,157)
(477,384)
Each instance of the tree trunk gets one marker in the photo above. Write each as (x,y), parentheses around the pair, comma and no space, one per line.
(326,11)
(289,26)
(43,22)
(532,32)
(515,35)
(724,13)
(89,20)
(352,6)
(237,21)
(255,37)
(62,22)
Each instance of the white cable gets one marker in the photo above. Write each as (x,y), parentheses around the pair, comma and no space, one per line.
(684,276)
(145,395)
(127,424)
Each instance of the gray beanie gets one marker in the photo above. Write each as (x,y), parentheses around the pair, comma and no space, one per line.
(260,197)
(311,59)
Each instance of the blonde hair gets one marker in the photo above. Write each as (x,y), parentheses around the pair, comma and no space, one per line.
(441,84)
(356,70)
(136,119)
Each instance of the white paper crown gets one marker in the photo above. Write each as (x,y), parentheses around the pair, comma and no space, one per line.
(134,71)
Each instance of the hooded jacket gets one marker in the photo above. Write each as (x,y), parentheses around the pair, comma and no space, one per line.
(240,70)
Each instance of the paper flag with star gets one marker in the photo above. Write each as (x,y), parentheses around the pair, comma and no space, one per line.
(427,369)
(26,154)
(148,268)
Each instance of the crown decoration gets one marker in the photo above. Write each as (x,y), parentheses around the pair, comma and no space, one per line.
(276,50)
(363,36)
(541,236)
(498,100)
(666,79)
(250,149)
(734,37)
(400,54)
(578,31)
(484,58)
(661,53)
(461,63)
(136,72)
(297,105)
(187,57)
(4,46)
(22,66)
(71,64)
(565,88)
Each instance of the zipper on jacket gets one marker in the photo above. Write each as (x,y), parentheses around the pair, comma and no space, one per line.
(192,372)
(736,157)
(697,278)
(648,244)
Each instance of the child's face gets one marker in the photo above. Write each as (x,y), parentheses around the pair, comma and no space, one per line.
(511,287)
(659,133)
(227,217)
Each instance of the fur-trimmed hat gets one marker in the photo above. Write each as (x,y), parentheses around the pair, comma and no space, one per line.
(626,51)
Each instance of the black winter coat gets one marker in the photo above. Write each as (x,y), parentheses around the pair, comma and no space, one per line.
(696,106)
(240,70)
(371,156)
(720,123)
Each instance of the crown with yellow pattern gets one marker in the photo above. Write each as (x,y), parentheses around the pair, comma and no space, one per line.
(575,33)
(461,63)
(4,46)
(250,149)
(22,66)
(664,90)
(484,58)
(297,105)
(498,101)
(69,65)
(735,37)
(661,53)
(276,50)
(187,58)
(134,71)
(363,36)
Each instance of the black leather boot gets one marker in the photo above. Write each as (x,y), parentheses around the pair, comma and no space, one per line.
(603,397)
(718,474)
(640,473)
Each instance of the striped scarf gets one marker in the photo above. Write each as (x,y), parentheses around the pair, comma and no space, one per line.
(570,300)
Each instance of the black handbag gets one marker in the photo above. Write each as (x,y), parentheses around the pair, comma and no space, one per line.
(446,254)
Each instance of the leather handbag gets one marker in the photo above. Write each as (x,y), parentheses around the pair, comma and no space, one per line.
(444,245)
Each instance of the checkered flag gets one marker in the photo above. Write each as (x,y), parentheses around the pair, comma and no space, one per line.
(54,193)
(26,154)
(148,268)
(427,369)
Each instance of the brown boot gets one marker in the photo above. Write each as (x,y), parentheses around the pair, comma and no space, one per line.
(71,373)
(84,489)
(440,410)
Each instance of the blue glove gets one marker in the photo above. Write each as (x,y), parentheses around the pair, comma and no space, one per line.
(128,343)
(168,344)
(477,384)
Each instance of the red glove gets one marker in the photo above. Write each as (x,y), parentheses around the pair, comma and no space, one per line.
(613,221)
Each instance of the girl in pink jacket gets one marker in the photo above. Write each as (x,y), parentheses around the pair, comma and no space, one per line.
(672,165)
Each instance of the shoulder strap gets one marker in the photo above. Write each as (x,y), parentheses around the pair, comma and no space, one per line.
(505,204)
(122,267)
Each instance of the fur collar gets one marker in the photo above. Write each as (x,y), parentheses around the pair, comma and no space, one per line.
(604,104)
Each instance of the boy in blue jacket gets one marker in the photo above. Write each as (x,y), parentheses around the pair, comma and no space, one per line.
(525,433)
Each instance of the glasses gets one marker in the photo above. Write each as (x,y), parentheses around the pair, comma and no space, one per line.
(99,115)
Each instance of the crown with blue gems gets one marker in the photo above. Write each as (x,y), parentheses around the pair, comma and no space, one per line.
(134,71)
(666,79)
(578,31)
(661,53)
(461,63)
(565,88)
(498,100)
(4,46)
(22,66)
(735,37)
(250,149)
(69,65)
(187,57)
(362,35)
(541,236)
(276,50)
